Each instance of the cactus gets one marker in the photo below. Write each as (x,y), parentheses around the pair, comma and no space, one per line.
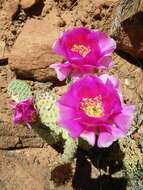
(19,90)
(132,162)
(70,148)
(48,113)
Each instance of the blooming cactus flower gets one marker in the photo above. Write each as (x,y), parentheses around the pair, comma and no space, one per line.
(84,50)
(93,107)
(24,112)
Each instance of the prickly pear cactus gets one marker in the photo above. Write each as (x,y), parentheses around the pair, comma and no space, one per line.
(133,163)
(48,113)
(19,90)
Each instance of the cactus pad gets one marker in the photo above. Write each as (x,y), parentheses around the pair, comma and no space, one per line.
(48,112)
(19,90)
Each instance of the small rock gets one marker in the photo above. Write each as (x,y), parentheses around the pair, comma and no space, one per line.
(32,52)
(26,4)
(32,142)
(136,136)
(7,142)
(130,38)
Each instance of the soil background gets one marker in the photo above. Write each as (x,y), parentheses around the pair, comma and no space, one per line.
(27,162)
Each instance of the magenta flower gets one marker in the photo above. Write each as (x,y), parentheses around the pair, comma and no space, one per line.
(84,50)
(93,107)
(24,112)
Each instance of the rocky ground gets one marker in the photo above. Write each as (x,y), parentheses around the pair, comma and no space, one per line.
(28,29)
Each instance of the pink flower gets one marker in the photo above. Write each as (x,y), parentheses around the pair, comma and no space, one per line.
(93,107)
(84,50)
(24,112)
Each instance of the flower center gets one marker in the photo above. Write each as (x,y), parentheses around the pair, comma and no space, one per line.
(93,107)
(81,49)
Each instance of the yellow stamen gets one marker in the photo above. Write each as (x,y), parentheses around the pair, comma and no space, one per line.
(81,49)
(92,106)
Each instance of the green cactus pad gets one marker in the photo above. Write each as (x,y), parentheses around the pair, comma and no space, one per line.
(19,90)
(48,112)
(70,148)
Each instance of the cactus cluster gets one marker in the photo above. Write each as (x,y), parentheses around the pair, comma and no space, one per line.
(19,90)
(48,113)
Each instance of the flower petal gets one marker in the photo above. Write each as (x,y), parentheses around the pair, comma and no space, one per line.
(62,70)
(113,80)
(105,62)
(17,118)
(89,137)
(124,119)
(65,112)
(57,46)
(73,127)
(105,139)
(107,44)
(117,132)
